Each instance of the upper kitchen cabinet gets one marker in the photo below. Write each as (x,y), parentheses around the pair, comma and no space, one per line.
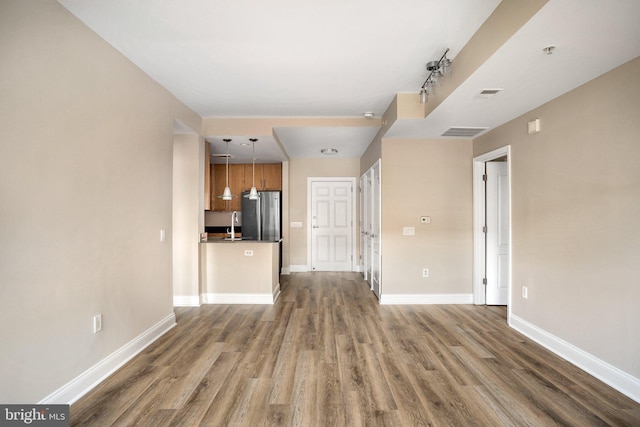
(207,176)
(272,176)
(268,176)
(236,184)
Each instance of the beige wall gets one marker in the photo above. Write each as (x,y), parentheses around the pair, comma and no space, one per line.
(188,214)
(576,216)
(374,151)
(426,178)
(85,187)
(299,171)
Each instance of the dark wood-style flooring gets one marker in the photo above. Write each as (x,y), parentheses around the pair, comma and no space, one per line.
(326,354)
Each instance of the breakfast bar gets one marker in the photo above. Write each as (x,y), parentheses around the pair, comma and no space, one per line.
(239,271)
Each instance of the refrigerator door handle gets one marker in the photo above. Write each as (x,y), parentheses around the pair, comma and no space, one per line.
(278,235)
(259,215)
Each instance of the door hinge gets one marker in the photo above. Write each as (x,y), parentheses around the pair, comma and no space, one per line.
(484,229)
(484,281)
(484,177)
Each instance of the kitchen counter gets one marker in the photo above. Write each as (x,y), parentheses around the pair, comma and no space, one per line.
(237,240)
(240,271)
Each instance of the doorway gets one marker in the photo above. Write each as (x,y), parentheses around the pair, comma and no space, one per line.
(331,233)
(492,228)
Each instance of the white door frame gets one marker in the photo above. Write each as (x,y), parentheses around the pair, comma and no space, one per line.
(350,179)
(376,212)
(479,256)
(362,226)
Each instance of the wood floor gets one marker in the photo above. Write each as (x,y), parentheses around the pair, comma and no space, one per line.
(326,354)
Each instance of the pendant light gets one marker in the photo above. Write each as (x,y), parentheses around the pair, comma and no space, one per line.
(253,194)
(226,194)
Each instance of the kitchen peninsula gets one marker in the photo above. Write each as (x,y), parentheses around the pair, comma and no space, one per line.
(239,271)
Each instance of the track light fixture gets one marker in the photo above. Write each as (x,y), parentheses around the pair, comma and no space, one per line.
(437,69)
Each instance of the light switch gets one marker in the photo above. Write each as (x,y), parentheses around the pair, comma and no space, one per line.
(296,224)
(425,220)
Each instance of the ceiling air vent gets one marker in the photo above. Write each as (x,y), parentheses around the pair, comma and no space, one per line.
(464,132)
(222,156)
(488,93)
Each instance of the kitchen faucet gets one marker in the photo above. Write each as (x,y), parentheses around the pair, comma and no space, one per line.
(234,220)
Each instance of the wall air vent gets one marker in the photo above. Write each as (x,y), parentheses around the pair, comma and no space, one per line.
(464,132)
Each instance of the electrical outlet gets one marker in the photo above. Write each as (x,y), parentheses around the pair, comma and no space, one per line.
(425,220)
(425,272)
(97,323)
(525,292)
(248,252)
(163,235)
(408,231)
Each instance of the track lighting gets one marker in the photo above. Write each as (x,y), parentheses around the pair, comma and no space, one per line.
(424,96)
(437,69)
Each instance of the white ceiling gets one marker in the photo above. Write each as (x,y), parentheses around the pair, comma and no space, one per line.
(341,58)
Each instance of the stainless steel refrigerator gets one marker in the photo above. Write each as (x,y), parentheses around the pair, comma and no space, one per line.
(261,218)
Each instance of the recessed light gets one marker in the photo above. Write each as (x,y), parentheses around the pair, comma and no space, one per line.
(368,115)
(548,49)
(244,143)
(329,151)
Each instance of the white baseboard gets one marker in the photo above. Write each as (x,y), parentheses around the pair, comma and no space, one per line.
(83,383)
(186,301)
(305,269)
(404,299)
(285,271)
(620,380)
(237,298)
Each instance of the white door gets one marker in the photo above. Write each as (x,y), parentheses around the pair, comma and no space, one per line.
(497,232)
(331,225)
(376,259)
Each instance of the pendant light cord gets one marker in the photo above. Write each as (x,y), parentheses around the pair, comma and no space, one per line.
(227,179)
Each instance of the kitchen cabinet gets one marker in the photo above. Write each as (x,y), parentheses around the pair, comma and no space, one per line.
(272,176)
(268,176)
(236,184)
(212,187)
(207,176)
